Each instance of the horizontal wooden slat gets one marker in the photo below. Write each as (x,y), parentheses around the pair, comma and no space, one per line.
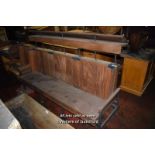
(84,35)
(93,45)
(41,117)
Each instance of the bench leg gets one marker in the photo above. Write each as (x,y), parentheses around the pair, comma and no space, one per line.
(114,105)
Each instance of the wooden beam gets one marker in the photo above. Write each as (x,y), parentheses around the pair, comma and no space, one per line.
(42,117)
(89,44)
(84,35)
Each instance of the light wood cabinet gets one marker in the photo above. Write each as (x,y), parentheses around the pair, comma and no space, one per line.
(136,76)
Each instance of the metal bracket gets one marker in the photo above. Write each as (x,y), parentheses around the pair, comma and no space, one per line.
(114,105)
(112,65)
(50,53)
(77,58)
(115,58)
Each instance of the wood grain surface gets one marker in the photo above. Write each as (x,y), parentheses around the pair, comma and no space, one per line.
(88,74)
(93,45)
(23,55)
(41,117)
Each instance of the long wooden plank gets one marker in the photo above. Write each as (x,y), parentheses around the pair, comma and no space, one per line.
(93,45)
(42,117)
(90,35)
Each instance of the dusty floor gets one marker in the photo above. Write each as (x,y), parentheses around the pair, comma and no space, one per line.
(134,112)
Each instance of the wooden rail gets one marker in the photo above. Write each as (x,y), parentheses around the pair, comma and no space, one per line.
(89,44)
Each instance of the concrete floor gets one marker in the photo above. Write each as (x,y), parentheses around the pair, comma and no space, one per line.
(134,112)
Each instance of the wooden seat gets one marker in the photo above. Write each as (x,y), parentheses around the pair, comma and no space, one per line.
(80,85)
(72,98)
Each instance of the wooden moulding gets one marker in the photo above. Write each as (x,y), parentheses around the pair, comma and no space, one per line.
(93,45)
(88,74)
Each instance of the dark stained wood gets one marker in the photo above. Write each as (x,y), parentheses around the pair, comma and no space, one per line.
(97,56)
(84,35)
(23,54)
(60,66)
(44,62)
(69,70)
(51,64)
(88,74)
(134,112)
(35,59)
(32,60)
(93,45)
(77,70)
(89,77)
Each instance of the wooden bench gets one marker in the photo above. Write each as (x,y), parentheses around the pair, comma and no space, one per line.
(32,115)
(83,86)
